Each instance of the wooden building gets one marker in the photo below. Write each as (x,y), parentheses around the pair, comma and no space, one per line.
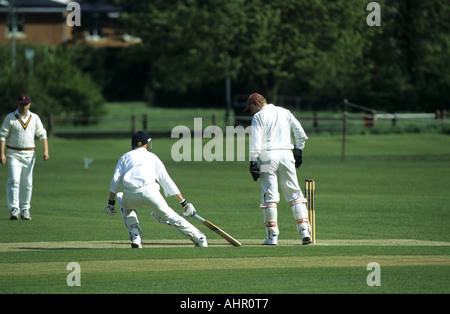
(44,22)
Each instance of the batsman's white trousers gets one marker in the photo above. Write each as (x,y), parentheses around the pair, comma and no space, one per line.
(19,186)
(149,196)
(278,168)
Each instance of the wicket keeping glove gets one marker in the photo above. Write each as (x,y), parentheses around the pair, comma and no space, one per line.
(110,208)
(189,209)
(298,156)
(254,170)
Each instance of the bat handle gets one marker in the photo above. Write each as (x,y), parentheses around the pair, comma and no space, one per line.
(199,217)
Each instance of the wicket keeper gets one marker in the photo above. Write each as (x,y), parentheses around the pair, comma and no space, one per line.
(276,149)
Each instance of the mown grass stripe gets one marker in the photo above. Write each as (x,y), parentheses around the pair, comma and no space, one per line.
(149,265)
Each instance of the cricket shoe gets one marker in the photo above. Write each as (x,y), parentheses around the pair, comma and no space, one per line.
(14,215)
(25,215)
(136,242)
(201,242)
(306,237)
(271,240)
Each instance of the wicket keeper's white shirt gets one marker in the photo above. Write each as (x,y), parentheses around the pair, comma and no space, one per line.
(139,168)
(272,128)
(20,132)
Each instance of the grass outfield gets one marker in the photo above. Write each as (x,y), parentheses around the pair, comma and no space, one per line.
(387,203)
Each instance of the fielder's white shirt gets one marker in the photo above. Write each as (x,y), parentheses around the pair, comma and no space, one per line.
(139,168)
(20,132)
(275,128)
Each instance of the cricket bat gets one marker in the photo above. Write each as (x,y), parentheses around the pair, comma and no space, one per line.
(217,230)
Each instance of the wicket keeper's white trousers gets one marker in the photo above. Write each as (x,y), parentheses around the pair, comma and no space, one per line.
(278,168)
(19,186)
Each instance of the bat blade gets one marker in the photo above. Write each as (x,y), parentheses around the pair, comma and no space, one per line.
(219,231)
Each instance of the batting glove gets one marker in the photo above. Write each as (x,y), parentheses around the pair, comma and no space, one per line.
(110,208)
(298,156)
(189,209)
(254,170)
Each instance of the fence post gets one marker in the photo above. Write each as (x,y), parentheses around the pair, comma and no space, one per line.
(344,128)
(50,125)
(144,122)
(133,124)
(374,119)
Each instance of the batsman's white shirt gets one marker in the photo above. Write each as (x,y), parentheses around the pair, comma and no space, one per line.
(272,128)
(140,168)
(139,171)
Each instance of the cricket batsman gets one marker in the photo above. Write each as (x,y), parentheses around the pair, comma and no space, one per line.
(276,150)
(139,172)
(18,150)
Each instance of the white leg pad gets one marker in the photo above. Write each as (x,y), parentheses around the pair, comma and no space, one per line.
(131,222)
(300,213)
(130,218)
(270,215)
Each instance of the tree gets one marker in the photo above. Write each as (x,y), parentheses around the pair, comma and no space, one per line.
(323,50)
(314,43)
(190,43)
(410,54)
(56,87)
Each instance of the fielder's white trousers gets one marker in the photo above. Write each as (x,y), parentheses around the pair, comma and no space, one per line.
(19,186)
(149,196)
(278,168)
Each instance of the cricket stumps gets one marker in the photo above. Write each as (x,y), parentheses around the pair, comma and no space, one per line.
(310,187)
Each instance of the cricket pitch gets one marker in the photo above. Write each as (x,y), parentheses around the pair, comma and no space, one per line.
(119,244)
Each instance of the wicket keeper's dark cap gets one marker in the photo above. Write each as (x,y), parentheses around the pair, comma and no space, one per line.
(23,99)
(253,98)
(139,139)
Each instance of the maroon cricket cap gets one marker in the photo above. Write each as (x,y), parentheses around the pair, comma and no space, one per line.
(251,99)
(24,99)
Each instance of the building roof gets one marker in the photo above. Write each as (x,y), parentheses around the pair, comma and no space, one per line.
(35,3)
(56,6)
(34,6)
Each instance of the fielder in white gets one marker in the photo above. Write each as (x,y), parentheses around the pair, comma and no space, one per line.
(18,149)
(276,149)
(139,172)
